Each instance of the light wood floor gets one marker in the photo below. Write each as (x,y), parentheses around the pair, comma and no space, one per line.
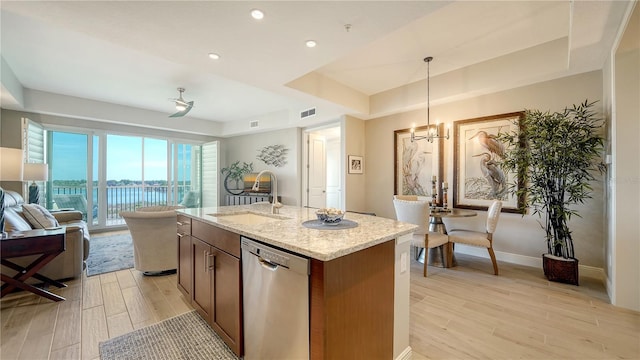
(459,313)
(97,308)
(466,312)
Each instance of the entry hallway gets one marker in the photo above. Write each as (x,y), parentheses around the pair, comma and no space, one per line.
(460,313)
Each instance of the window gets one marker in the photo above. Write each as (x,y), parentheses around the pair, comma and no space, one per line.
(120,172)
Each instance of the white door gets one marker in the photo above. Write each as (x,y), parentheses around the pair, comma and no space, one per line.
(333,173)
(317,172)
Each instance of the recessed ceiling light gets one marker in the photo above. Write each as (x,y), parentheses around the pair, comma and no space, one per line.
(214,56)
(311,43)
(257,14)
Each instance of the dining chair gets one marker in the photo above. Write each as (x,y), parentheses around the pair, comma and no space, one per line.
(479,238)
(417,212)
(406,197)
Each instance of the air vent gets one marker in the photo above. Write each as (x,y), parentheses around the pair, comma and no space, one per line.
(308,113)
(253,124)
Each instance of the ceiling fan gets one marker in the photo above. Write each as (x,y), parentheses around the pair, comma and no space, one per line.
(182,106)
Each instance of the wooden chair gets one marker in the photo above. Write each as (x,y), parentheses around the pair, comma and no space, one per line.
(417,212)
(479,238)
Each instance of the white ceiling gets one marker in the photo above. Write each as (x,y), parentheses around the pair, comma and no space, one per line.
(126,59)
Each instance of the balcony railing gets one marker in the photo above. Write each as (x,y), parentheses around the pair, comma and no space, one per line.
(118,198)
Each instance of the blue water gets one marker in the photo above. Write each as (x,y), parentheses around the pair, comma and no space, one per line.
(117,195)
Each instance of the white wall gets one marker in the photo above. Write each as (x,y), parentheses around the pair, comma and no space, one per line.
(515,234)
(354,141)
(624,228)
(245,148)
(11,126)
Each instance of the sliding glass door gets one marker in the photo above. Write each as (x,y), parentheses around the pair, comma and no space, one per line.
(122,173)
(68,158)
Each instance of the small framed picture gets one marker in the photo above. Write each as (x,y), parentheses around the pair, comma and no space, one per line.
(356,164)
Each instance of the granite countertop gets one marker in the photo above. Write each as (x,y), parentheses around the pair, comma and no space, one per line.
(289,233)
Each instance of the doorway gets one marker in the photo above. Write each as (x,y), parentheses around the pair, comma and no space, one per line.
(323,178)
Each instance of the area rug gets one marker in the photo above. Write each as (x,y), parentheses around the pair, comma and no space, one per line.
(109,253)
(185,336)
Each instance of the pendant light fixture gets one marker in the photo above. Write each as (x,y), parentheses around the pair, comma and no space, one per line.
(430,134)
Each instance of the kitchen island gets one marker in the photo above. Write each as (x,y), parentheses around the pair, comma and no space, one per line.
(358,278)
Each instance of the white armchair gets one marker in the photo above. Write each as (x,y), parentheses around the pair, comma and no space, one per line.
(153,230)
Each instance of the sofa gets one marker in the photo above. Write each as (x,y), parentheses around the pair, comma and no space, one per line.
(72,262)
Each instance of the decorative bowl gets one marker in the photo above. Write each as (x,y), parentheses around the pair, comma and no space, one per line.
(330,216)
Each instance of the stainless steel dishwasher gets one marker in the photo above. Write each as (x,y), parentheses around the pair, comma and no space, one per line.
(276,303)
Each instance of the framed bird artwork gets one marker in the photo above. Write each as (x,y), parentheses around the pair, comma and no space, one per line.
(477,154)
(418,166)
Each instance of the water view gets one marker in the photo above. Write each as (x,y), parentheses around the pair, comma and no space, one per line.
(129,161)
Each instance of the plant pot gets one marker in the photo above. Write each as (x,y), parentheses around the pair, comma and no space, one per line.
(560,269)
(235,188)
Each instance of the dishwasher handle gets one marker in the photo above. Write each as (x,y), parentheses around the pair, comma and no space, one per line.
(268,264)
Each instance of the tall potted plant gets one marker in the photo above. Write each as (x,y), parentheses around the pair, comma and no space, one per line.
(556,156)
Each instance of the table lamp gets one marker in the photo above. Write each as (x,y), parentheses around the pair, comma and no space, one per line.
(10,170)
(35,172)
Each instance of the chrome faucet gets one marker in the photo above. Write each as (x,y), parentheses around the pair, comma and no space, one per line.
(275,205)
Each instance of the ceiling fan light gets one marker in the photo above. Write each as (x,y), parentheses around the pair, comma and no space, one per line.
(180,107)
(257,14)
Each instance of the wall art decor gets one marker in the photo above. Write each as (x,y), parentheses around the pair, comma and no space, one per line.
(275,155)
(417,163)
(356,164)
(477,155)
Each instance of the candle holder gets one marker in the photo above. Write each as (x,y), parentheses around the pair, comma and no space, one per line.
(434,195)
(444,199)
(445,187)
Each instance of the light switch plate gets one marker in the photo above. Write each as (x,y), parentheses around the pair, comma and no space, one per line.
(403,262)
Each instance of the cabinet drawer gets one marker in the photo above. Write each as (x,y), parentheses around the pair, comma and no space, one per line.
(184,225)
(224,240)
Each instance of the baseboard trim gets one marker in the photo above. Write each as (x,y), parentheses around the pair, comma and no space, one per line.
(405,355)
(584,270)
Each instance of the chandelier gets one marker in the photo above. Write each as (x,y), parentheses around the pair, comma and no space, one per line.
(430,134)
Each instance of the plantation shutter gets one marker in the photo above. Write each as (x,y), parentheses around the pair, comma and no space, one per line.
(210,174)
(34,135)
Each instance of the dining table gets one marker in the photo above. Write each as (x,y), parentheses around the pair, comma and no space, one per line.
(438,255)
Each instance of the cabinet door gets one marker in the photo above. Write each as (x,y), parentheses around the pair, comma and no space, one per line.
(202,278)
(184,265)
(227,301)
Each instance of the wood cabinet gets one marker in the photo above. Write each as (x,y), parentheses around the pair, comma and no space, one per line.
(227,300)
(351,298)
(185,279)
(202,280)
(214,271)
(352,305)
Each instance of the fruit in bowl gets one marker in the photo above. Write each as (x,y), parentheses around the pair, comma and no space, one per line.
(330,216)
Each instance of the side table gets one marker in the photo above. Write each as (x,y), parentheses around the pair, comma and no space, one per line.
(46,243)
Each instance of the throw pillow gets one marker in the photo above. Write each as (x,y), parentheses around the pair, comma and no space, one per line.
(38,216)
(14,222)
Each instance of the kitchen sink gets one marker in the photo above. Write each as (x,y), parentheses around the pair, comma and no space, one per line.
(248,218)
